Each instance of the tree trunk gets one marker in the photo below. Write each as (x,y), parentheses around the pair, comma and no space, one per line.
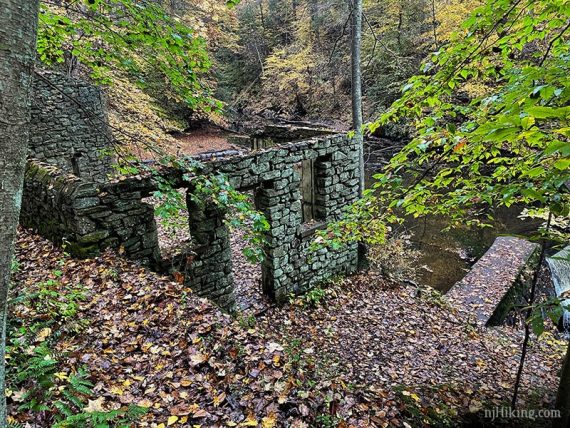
(563,396)
(434,24)
(18,32)
(357,87)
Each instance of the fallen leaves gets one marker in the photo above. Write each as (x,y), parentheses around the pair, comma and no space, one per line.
(191,365)
(95,405)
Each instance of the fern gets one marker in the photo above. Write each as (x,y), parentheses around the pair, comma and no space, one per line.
(61,399)
(79,382)
(63,408)
(116,418)
(72,399)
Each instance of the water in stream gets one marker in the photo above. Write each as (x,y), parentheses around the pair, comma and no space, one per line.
(446,256)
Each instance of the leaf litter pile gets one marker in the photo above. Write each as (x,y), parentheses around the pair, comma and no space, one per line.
(364,352)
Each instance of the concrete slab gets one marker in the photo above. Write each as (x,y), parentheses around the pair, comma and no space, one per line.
(490,288)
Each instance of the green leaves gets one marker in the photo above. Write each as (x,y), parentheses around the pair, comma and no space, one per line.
(511,145)
(211,189)
(129,37)
(549,112)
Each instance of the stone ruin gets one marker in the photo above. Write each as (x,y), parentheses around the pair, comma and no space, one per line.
(69,126)
(90,212)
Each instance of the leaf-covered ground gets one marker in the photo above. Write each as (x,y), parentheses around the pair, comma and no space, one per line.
(371,353)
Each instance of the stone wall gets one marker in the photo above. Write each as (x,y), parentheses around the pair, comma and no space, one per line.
(87,216)
(210,272)
(496,283)
(289,267)
(92,216)
(69,126)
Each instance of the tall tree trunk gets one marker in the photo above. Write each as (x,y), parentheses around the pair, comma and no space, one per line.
(357,86)
(18,32)
(563,396)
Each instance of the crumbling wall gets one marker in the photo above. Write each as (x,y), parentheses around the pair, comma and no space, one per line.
(289,266)
(68,126)
(87,216)
(92,216)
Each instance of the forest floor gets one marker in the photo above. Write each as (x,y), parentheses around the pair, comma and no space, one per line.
(209,139)
(361,352)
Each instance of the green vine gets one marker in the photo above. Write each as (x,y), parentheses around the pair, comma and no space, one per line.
(204,190)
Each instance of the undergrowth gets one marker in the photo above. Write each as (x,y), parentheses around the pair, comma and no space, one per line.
(40,386)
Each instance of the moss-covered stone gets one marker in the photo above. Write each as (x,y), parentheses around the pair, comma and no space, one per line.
(93,237)
(82,251)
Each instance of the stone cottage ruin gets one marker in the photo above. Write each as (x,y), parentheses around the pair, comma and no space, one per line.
(69,198)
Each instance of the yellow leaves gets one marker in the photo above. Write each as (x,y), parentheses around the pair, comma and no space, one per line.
(61,375)
(480,363)
(276,359)
(219,399)
(43,334)
(117,390)
(412,395)
(186,382)
(172,420)
(451,12)
(269,421)
(251,421)
(145,403)
(289,71)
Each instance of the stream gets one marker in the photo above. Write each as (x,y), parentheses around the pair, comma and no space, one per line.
(445,256)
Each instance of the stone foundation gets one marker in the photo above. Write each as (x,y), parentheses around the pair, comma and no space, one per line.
(88,217)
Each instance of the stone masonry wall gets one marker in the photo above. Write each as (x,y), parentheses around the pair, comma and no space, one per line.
(87,216)
(289,267)
(72,136)
(210,272)
(92,216)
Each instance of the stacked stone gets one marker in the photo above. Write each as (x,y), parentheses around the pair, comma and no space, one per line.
(209,274)
(47,203)
(68,126)
(289,266)
(280,201)
(89,217)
